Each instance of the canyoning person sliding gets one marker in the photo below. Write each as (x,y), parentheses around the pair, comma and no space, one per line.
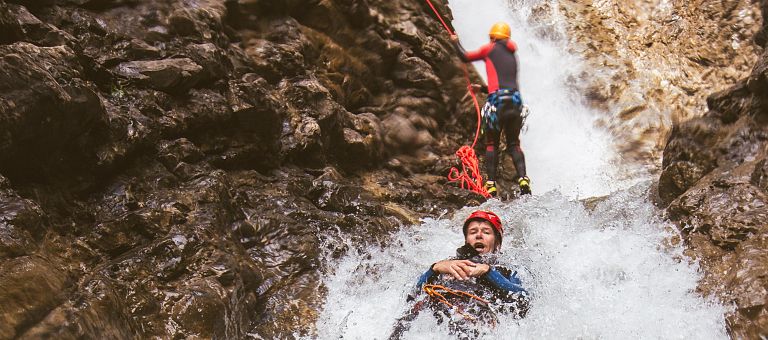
(469,289)
(503,111)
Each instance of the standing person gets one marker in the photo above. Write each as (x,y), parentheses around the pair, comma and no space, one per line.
(468,290)
(503,110)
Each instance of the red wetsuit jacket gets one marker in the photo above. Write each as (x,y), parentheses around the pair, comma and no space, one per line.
(500,63)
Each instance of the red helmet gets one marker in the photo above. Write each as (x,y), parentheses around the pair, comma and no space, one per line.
(487,216)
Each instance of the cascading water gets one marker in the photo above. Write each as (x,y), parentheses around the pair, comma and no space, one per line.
(609,272)
(563,148)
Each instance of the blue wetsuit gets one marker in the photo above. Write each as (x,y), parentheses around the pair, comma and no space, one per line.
(499,286)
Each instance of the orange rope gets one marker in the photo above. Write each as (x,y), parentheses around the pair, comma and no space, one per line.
(471,179)
(434,291)
(440,17)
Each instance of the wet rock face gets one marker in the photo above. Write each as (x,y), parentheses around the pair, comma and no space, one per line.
(179,74)
(22,221)
(629,71)
(48,108)
(31,287)
(184,170)
(714,184)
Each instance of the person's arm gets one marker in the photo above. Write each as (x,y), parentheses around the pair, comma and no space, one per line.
(467,56)
(424,278)
(511,46)
(459,269)
(509,283)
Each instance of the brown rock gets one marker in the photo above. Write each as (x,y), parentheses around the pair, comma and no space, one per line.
(724,214)
(628,46)
(30,287)
(190,151)
(203,20)
(27,26)
(199,309)
(363,145)
(171,75)
(9,25)
(274,61)
(22,222)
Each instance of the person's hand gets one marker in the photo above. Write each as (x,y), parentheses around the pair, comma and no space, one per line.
(477,87)
(454,38)
(479,270)
(459,269)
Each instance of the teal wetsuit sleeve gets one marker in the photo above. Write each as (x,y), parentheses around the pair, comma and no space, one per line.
(510,284)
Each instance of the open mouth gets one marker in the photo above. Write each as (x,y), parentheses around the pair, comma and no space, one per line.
(478,246)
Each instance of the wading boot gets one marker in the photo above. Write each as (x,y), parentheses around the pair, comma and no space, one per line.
(490,187)
(525,185)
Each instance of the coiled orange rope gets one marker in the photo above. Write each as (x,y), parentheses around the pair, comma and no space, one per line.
(469,177)
(438,292)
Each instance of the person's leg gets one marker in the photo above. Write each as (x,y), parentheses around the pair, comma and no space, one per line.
(491,154)
(513,142)
(492,135)
(512,123)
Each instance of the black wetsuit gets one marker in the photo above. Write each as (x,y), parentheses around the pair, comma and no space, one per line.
(500,287)
(503,110)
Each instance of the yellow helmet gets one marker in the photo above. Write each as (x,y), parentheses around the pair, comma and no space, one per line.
(500,31)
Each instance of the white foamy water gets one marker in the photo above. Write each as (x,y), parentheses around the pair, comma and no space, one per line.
(563,148)
(600,274)
(593,274)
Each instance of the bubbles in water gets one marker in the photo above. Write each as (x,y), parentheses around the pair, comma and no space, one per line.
(599,274)
(593,274)
(564,149)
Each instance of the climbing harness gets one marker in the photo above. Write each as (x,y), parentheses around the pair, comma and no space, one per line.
(490,119)
(489,113)
(439,293)
(469,177)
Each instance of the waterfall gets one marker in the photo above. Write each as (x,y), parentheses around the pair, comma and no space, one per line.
(612,271)
(563,147)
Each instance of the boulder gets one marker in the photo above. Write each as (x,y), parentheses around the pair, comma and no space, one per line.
(210,58)
(100,312)
(275,61)
(23,25)
(46,109)
(191,164)
(203,20)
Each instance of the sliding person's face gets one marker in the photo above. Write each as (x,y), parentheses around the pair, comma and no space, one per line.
(481,236)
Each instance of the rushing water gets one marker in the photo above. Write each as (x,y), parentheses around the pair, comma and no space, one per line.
(605,273)
(564,150)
